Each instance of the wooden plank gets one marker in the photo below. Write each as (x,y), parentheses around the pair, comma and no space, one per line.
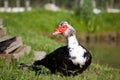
(21,51)
(4,38)
(3,32)
(1,22)
(6,57)
(14,45)
(6,43)
(38,55)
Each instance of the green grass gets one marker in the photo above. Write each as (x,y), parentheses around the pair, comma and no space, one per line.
(95,72)
(35,28)
(40,21)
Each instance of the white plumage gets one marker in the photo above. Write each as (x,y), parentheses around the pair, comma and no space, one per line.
(76,51)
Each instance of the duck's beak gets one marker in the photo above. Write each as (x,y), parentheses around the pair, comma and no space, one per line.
(56,31)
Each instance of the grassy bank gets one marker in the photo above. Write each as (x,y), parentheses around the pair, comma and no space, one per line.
(46,21)
(95,72)
(35,27)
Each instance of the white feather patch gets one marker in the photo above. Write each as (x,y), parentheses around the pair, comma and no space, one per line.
(76,51)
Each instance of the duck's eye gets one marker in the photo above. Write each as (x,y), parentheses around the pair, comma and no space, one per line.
(64,27)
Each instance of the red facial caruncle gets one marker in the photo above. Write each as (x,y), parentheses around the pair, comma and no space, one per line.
(60,29)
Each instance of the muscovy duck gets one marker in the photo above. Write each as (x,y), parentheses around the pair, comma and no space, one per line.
(68,60)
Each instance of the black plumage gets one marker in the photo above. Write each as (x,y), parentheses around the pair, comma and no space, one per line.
(58,61)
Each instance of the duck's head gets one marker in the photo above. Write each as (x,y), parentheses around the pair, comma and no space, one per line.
(65,29)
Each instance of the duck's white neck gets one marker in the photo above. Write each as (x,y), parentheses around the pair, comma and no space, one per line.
(72,41)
